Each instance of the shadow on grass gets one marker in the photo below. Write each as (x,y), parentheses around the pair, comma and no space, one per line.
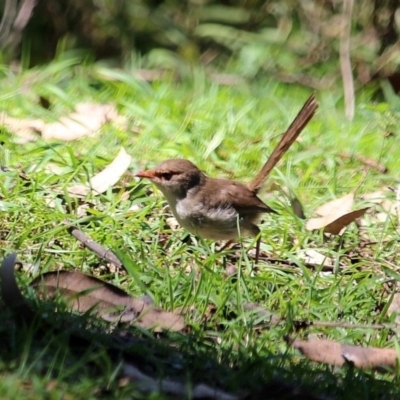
(60,352)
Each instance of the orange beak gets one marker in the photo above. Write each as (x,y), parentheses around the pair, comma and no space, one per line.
(149,174)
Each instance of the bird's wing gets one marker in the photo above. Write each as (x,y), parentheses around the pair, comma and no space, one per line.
(237,195)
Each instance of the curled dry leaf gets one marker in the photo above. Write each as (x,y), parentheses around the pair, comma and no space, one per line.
(335,215)
(85,293)
(108,177)
(336,226)
(334,353)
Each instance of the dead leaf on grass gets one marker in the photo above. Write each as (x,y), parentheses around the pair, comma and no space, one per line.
(336,226)
(338,207)
(376,197)
(86,120)
(380,198)
(106,178)
(85,293)
(335,215)
(27,129)
(334,353)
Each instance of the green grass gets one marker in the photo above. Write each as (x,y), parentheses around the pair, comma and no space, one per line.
(228,132)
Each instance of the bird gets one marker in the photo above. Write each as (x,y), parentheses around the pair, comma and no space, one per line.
(217,208)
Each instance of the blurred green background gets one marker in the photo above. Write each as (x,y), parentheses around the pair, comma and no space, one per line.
(294,41)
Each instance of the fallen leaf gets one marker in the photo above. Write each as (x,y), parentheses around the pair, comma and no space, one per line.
(85,293)
(334,353)
(108,177)
(336,226)
(339,206)
(27,129)
(87,119)
(335,215)
(376,197)
(398,203)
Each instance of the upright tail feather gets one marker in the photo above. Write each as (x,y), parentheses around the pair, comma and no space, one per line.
(294,130)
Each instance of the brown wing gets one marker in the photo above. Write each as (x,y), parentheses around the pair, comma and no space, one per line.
(239,196)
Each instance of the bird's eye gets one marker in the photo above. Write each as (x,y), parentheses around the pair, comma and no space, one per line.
(166,175)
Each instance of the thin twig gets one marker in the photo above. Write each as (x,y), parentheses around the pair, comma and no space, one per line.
(369,162)
(95,247)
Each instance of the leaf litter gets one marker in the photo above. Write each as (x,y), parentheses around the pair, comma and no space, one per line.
(335,215)
(106,178)
(86,120)
(86,293)
(337,354)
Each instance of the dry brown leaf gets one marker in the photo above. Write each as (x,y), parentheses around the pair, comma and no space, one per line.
(334,353)
(108,177)
(337,207)
(85,293)
(335,215)
(27,129)
(332,223)
(86,120)
(336,226)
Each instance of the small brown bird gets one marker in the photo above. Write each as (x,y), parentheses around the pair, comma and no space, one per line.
(212,208)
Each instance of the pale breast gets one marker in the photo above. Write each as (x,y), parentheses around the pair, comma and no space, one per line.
(217,224)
